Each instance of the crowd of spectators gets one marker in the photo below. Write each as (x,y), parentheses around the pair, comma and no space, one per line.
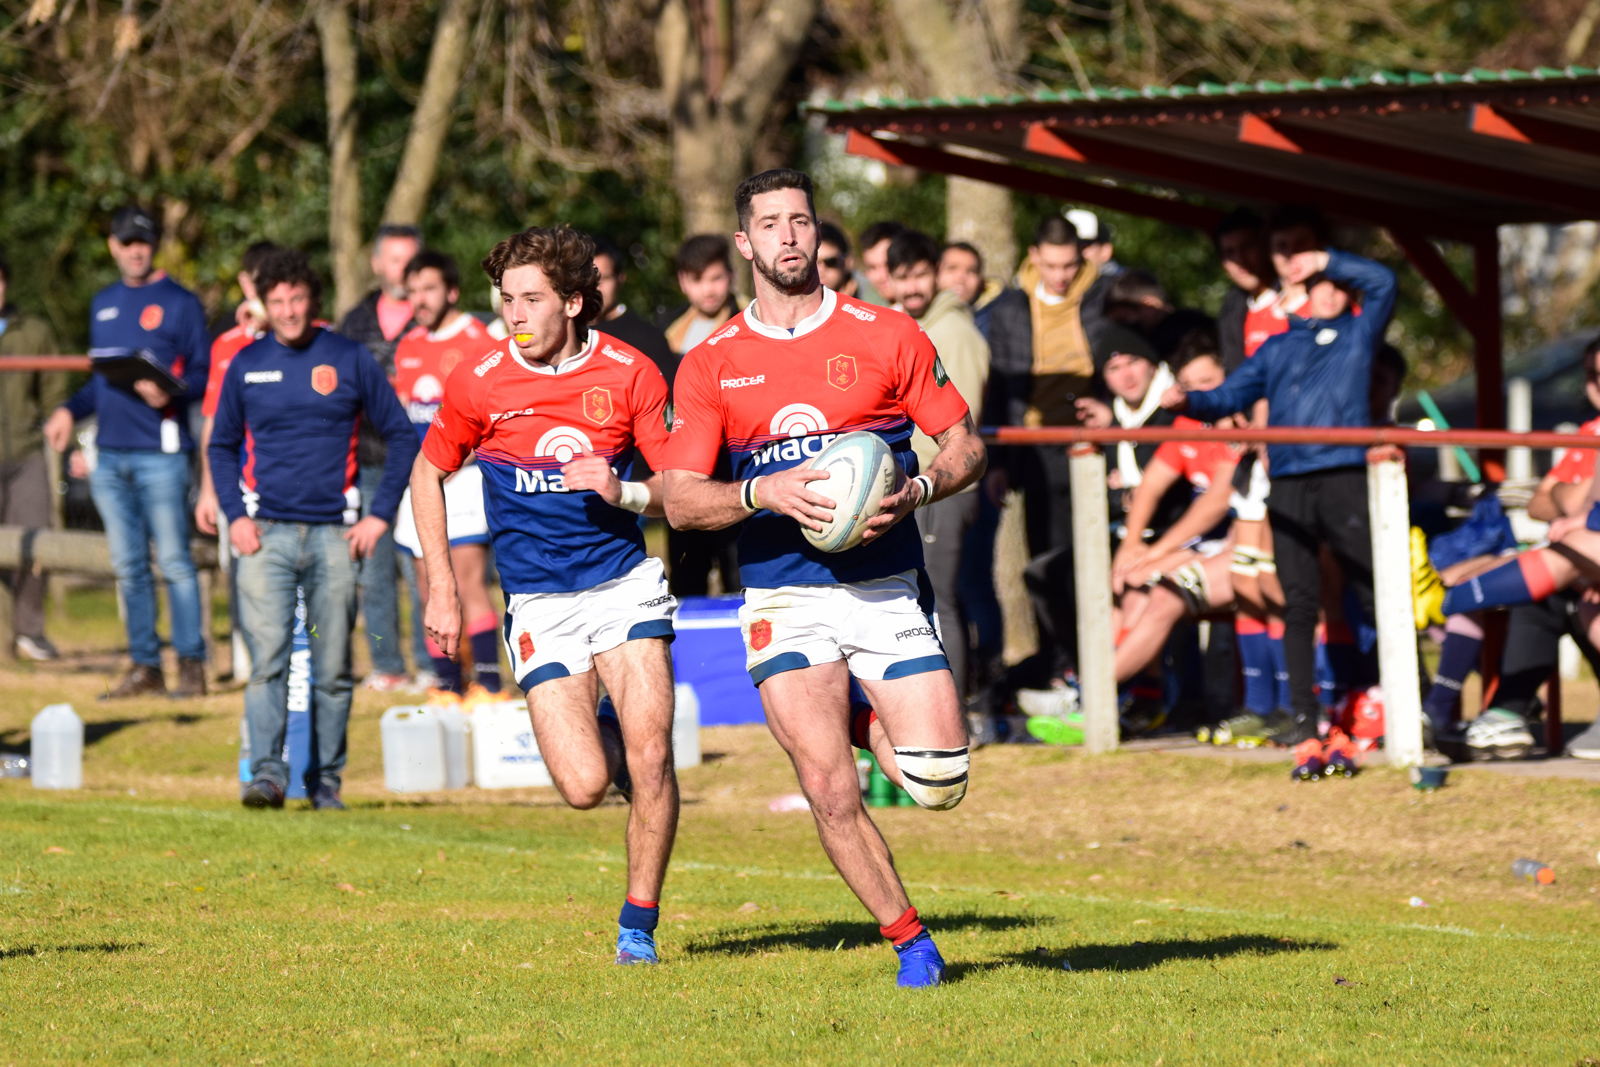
(1242,576)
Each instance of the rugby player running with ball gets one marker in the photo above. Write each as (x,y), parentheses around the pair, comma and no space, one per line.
(548,412)
(798,367)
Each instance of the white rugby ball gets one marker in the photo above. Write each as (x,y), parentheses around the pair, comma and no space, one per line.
(861,472)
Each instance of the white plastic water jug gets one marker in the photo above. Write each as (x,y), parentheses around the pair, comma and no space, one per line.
(57,757)
(505,754)
(685,726)
(413,750)
(457,746)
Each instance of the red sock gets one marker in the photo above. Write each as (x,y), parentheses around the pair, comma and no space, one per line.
(1536,573)
(902,929)
(1274,628)
(483,623)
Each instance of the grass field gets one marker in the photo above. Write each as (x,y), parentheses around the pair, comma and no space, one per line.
(1210,910)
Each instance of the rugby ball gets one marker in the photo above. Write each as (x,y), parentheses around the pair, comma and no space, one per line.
(861,472)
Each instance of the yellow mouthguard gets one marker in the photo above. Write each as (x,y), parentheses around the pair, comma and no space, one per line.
(522,338)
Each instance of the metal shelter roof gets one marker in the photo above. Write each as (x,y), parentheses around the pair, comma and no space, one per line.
(1425,156)
(1447,155)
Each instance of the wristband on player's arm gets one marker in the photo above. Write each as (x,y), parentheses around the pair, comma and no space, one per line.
(927,490)
(635,497)
(747,494)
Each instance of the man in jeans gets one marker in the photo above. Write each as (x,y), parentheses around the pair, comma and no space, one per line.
(25,398)
(379,321)
(291,402)
(141,482)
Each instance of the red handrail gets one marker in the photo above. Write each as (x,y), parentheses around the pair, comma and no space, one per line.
(19,364)
(1364,436)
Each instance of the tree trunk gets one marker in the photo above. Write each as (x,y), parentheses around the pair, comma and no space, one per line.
(430,122)
(344,175)
(712,131)
(970,57)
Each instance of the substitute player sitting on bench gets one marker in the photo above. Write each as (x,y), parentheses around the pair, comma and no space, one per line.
(773,386)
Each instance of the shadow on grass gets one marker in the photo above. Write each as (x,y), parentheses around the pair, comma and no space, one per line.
(12,740)
(827,936)
(1140,955)
(105,948)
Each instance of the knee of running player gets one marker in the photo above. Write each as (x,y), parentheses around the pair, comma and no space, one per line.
(936,778)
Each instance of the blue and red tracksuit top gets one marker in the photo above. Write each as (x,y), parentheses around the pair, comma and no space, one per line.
(167,319)
(283,443)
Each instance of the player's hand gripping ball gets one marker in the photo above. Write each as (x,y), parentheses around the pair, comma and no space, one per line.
(861,472)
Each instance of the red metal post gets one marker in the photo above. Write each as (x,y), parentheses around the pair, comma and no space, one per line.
(1491,416)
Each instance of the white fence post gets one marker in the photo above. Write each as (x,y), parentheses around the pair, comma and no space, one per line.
(1390,513)
(1091,555)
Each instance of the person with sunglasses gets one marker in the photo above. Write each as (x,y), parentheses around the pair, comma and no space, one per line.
(837,267)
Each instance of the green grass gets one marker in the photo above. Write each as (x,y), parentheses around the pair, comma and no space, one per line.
(1207,909)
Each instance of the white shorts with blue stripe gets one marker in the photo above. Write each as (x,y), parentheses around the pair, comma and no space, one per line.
(883,629)
(554,635)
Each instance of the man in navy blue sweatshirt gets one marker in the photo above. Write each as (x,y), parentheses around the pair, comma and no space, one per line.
(141,482)
(1319,373)
(283,459)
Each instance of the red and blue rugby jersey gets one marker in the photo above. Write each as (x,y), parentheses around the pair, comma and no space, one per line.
(524,421)
(423,362)
(283,441)
(775,400)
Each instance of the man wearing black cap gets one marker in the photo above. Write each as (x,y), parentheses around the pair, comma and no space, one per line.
(141,481)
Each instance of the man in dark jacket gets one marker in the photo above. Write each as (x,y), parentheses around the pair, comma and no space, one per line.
(379,321)
(141,478)
(25,398)
(1317,374)
(621,321)
(1041,340)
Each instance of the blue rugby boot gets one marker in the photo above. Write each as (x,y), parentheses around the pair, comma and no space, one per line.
(920,962)
(636,946)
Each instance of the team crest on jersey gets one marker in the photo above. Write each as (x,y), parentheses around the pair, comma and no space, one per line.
(940,378)
(324,378)
(448,361)
(760,634)
(525,645)
(842,371)
(151,316)
(597,406)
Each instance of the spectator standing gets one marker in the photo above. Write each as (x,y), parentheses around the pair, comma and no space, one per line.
(25,398)
(963,360)
(961,271)
(1097,239)
(1137,300)
(705,274)
(875,258)
(1042,363)
(378,322)
(1319,374)
(1250,312)
(621,321)
(141,481)
(250,324)
(837,267)
(292,401)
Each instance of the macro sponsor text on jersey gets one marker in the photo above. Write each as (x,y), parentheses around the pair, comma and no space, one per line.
(841,370)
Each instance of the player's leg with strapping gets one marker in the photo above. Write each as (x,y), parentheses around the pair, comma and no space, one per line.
(638,677)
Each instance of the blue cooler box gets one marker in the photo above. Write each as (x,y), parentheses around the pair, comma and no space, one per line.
(708,654)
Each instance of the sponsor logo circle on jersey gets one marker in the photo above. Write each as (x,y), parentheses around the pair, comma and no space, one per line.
(798,420)
(151,316)
(427,390)
(562,443)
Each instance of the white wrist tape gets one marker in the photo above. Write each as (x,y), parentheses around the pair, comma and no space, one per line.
(927,490)
(635,497)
